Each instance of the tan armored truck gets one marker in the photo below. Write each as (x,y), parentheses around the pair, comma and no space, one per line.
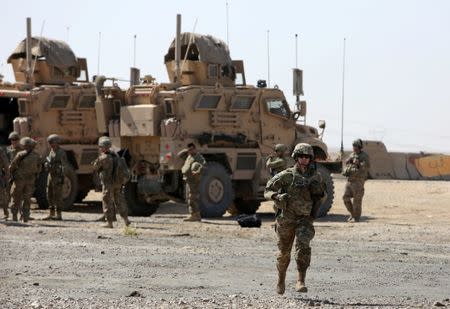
(234,125)
(50,97)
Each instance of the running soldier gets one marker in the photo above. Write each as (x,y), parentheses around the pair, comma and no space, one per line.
(297,192)
(356,170)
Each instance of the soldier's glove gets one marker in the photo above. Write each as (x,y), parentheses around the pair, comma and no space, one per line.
(283,197)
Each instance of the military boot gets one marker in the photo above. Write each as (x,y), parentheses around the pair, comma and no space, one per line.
(300,285)
(50,216)
(280,284)
(58,215)
(6,213)
(108,225)
(14,217)
(194,217)
(126,221)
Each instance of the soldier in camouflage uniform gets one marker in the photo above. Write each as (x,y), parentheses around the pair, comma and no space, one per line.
(24,169)
(55,163)
(112,192)
(356,169)
(277,163)
(4,179)
(15,147)
(11,152)
(192,170)
(297,192)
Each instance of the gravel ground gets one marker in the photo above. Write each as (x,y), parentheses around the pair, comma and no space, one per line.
(398,256)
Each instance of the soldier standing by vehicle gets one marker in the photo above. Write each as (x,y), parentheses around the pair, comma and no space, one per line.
(277,162)
(55,164)
(356,170)
(192,171)
(14,148)
(112,192)
(24,170)
(4,177)
(297,192)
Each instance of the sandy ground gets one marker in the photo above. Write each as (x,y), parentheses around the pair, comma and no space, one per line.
(398,256)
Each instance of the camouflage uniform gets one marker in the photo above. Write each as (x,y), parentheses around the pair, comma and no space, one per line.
(24,169)
(112,194)
(12,151)
(277,163)
(296,195)
(191,170)
(56,162)
(4,180)
(356,169)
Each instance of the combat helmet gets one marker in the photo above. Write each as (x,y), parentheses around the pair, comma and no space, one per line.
(302,148)
(358,143)
(27,141)
(53,138)
(104,141)
(280,148)
(14,136)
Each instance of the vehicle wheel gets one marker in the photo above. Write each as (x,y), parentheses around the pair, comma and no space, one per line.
(328,202)
(41,191)
(136,205)
(70,189)
(216,192)
(248,207)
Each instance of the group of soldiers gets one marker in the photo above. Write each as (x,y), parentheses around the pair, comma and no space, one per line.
(297,192)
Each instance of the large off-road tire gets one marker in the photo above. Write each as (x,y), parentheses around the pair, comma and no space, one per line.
(136,205)
(216,191)
(328,201)
(248,207)
(70,189)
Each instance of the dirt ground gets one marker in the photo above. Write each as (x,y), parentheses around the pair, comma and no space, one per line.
(398,256)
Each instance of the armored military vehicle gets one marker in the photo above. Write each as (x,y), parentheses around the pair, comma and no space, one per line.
(234,125)
(52,95)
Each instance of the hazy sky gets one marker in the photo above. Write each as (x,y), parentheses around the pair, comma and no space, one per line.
(397,66)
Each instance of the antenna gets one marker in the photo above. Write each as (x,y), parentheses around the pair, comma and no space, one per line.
(134,52)
(68,32)
(296,51)
(98,52)
(268,58)
(228,42)
(39,43)
(342,103)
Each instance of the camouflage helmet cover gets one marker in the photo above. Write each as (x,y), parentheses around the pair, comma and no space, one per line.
(53,138)
(302,148)
(27,141)
(358,143)
(14,136)
(280,148)
(104,141)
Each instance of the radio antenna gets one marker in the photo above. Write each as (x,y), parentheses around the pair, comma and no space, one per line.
(228,42)
(98,52)
(296,50)
(68,32)
(342,102)
(268,58)
(134,52)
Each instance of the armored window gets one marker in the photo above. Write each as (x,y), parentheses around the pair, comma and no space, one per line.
(168,106)
(209,101)
(242,103)
(278,107)
(87,101)
(212,71)
(59,101)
